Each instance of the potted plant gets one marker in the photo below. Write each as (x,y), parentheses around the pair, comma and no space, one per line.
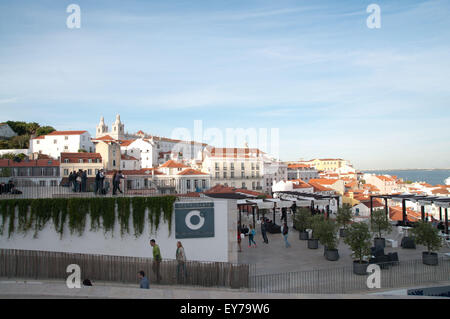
(343,218)
(327,233)
(379,223)
(315,224)
(425,234)
(358,238)
(301,222)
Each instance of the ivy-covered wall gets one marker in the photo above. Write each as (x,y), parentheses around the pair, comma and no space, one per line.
(24,215)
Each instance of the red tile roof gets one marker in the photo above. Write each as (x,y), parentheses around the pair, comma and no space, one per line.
(323,181)
(440,191)
(221,189)
(128,157)
(191,171)
(67,132)
(173,164)
(30,163)
(235,152)
(75,157)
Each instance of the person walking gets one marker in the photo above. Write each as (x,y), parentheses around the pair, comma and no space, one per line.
(251,236)
(116,182)
(181,263)
(285,231)
(239,238)
(143,280)
(264,230)
(97,183)
(156,260)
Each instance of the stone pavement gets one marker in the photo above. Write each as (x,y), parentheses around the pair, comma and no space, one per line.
(274,258)
(17,289)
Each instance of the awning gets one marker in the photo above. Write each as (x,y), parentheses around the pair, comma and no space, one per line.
(303,203)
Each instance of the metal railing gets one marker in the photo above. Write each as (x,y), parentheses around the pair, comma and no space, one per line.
(52,265)
(342,279)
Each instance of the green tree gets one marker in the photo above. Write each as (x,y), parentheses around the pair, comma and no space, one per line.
(344,215)
(379,223)
(44,130)
(425,234)
(327,233)
(358,238)
(21,141)
(301,219)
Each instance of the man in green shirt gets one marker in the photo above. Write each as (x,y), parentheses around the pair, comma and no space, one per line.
(156,260)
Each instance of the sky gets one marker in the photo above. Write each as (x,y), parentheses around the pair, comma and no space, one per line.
(312,70)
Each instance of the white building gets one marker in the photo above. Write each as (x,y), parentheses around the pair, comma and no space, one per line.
(235,167)
(142,149)
(273,171)
(301,171)
(170,178)
(55,143)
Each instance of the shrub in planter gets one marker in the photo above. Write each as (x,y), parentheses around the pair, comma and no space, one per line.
(428,236)
(344,218)
(302,222)
(358,238)
(379,224)
(327,234)
(315,223)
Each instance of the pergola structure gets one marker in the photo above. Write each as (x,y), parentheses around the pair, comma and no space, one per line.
(423,200)
(308,200)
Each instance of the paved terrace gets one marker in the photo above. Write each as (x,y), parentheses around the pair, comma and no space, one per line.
(274,258)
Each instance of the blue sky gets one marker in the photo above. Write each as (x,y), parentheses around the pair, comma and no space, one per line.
(313,69)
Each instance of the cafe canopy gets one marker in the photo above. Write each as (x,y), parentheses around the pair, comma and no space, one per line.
(442,202)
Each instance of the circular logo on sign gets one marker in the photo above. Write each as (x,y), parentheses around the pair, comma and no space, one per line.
(189,223)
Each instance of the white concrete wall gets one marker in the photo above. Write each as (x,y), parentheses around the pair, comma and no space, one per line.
(202,249)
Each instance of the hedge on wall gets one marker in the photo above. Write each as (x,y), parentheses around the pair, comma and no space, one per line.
(35,214)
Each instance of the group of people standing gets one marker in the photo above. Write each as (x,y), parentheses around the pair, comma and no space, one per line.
(180,256)
(78,181)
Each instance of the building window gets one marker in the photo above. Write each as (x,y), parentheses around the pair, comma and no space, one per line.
(203,183)
(232,174)
(89,171)
(188,184)
(37,142)
(66,138)
(66,160)
(114,162)
(224,174)
(80,160)
(242,174)
(66,148)
(232,166)
(66,172)
(217,166)
(42,183)
(53,183)
(224,166)
(217,175)
(243,185)
(195,184)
